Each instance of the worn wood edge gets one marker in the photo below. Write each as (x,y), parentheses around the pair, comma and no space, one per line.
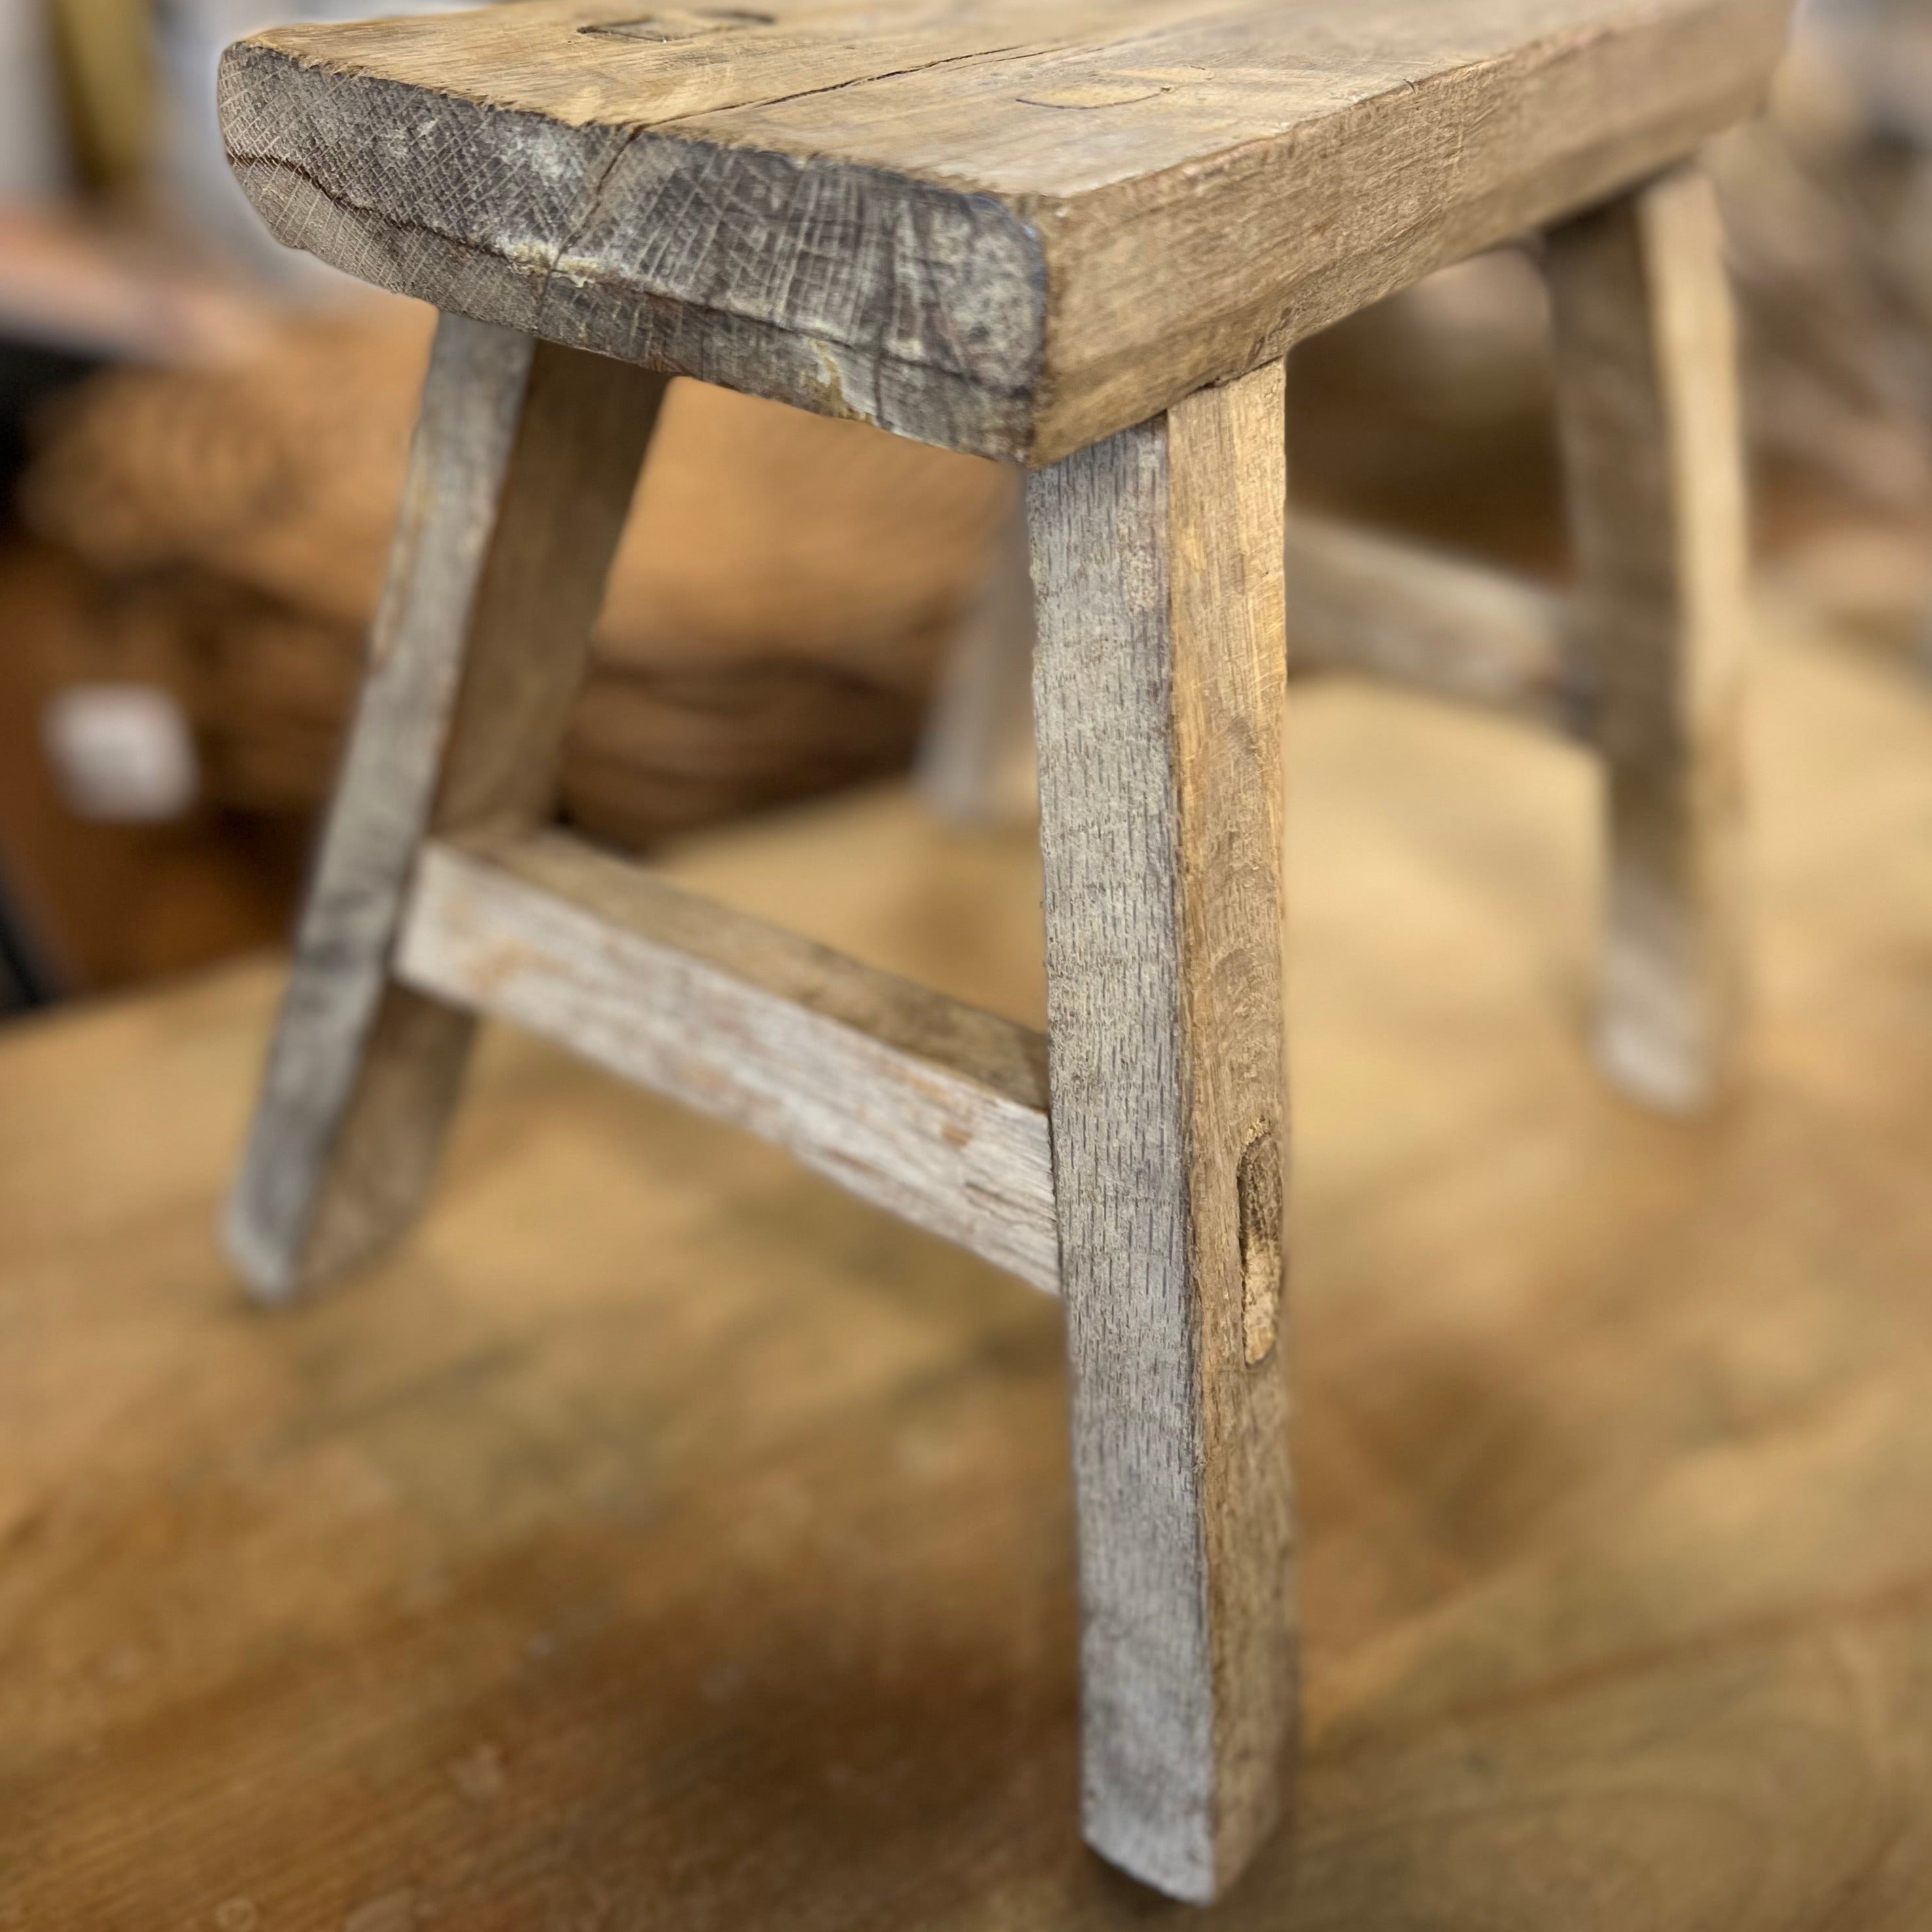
(714,333)
(1129,378)
(932,1109)
(1381,607)
(1040,390)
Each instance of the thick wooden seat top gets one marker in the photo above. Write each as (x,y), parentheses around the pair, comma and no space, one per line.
(1011,226)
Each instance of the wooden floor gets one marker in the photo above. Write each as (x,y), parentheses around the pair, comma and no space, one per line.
(663,1540)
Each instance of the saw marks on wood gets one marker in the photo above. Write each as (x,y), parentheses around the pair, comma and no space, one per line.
(1007,227)
(662,1537)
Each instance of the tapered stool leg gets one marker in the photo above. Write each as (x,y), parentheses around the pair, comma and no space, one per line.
(1159,692)
(524,461)
(1647,393)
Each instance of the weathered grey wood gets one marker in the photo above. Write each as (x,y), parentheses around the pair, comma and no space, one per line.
(524,459)
(934,1110)
(1159,687)
(1647,394)
(1013,227)
(976,766)
(1382,607)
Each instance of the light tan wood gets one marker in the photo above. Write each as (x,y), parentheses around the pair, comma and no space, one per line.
(1160,682)
(524,461)
(665,1538)
(929,1108)
(1647,391)
(1011,228)
(1383,608)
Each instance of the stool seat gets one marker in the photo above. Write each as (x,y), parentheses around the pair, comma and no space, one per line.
(1013,227)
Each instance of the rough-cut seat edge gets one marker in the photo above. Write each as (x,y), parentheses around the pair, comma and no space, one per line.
(830,334)
(1017,326)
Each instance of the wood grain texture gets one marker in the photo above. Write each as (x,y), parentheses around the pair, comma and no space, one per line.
(1159,691)
(672,1541)
(913,1101)
(1647,393)
(524,459)
(1009,228)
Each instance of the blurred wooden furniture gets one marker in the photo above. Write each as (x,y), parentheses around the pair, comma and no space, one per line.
(664,1538)
(1078,238)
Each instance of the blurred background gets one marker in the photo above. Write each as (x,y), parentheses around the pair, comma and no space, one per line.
(202,438)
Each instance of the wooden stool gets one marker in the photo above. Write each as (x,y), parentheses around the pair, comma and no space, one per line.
(1078,236)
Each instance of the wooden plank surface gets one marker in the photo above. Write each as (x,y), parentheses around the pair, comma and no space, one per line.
(1008,227)
(1159,683)
(661,1538)
(934,1109)
(522,466)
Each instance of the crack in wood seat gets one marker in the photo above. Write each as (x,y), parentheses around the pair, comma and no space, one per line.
(1010,227)
(1078,236)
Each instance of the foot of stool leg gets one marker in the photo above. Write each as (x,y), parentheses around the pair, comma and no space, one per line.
(1158,694)
(1647,398)
(524,459)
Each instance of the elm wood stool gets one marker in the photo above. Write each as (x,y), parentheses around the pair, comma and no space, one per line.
(1077,237)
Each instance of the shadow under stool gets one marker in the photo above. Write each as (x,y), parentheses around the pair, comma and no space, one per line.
(1078,238)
